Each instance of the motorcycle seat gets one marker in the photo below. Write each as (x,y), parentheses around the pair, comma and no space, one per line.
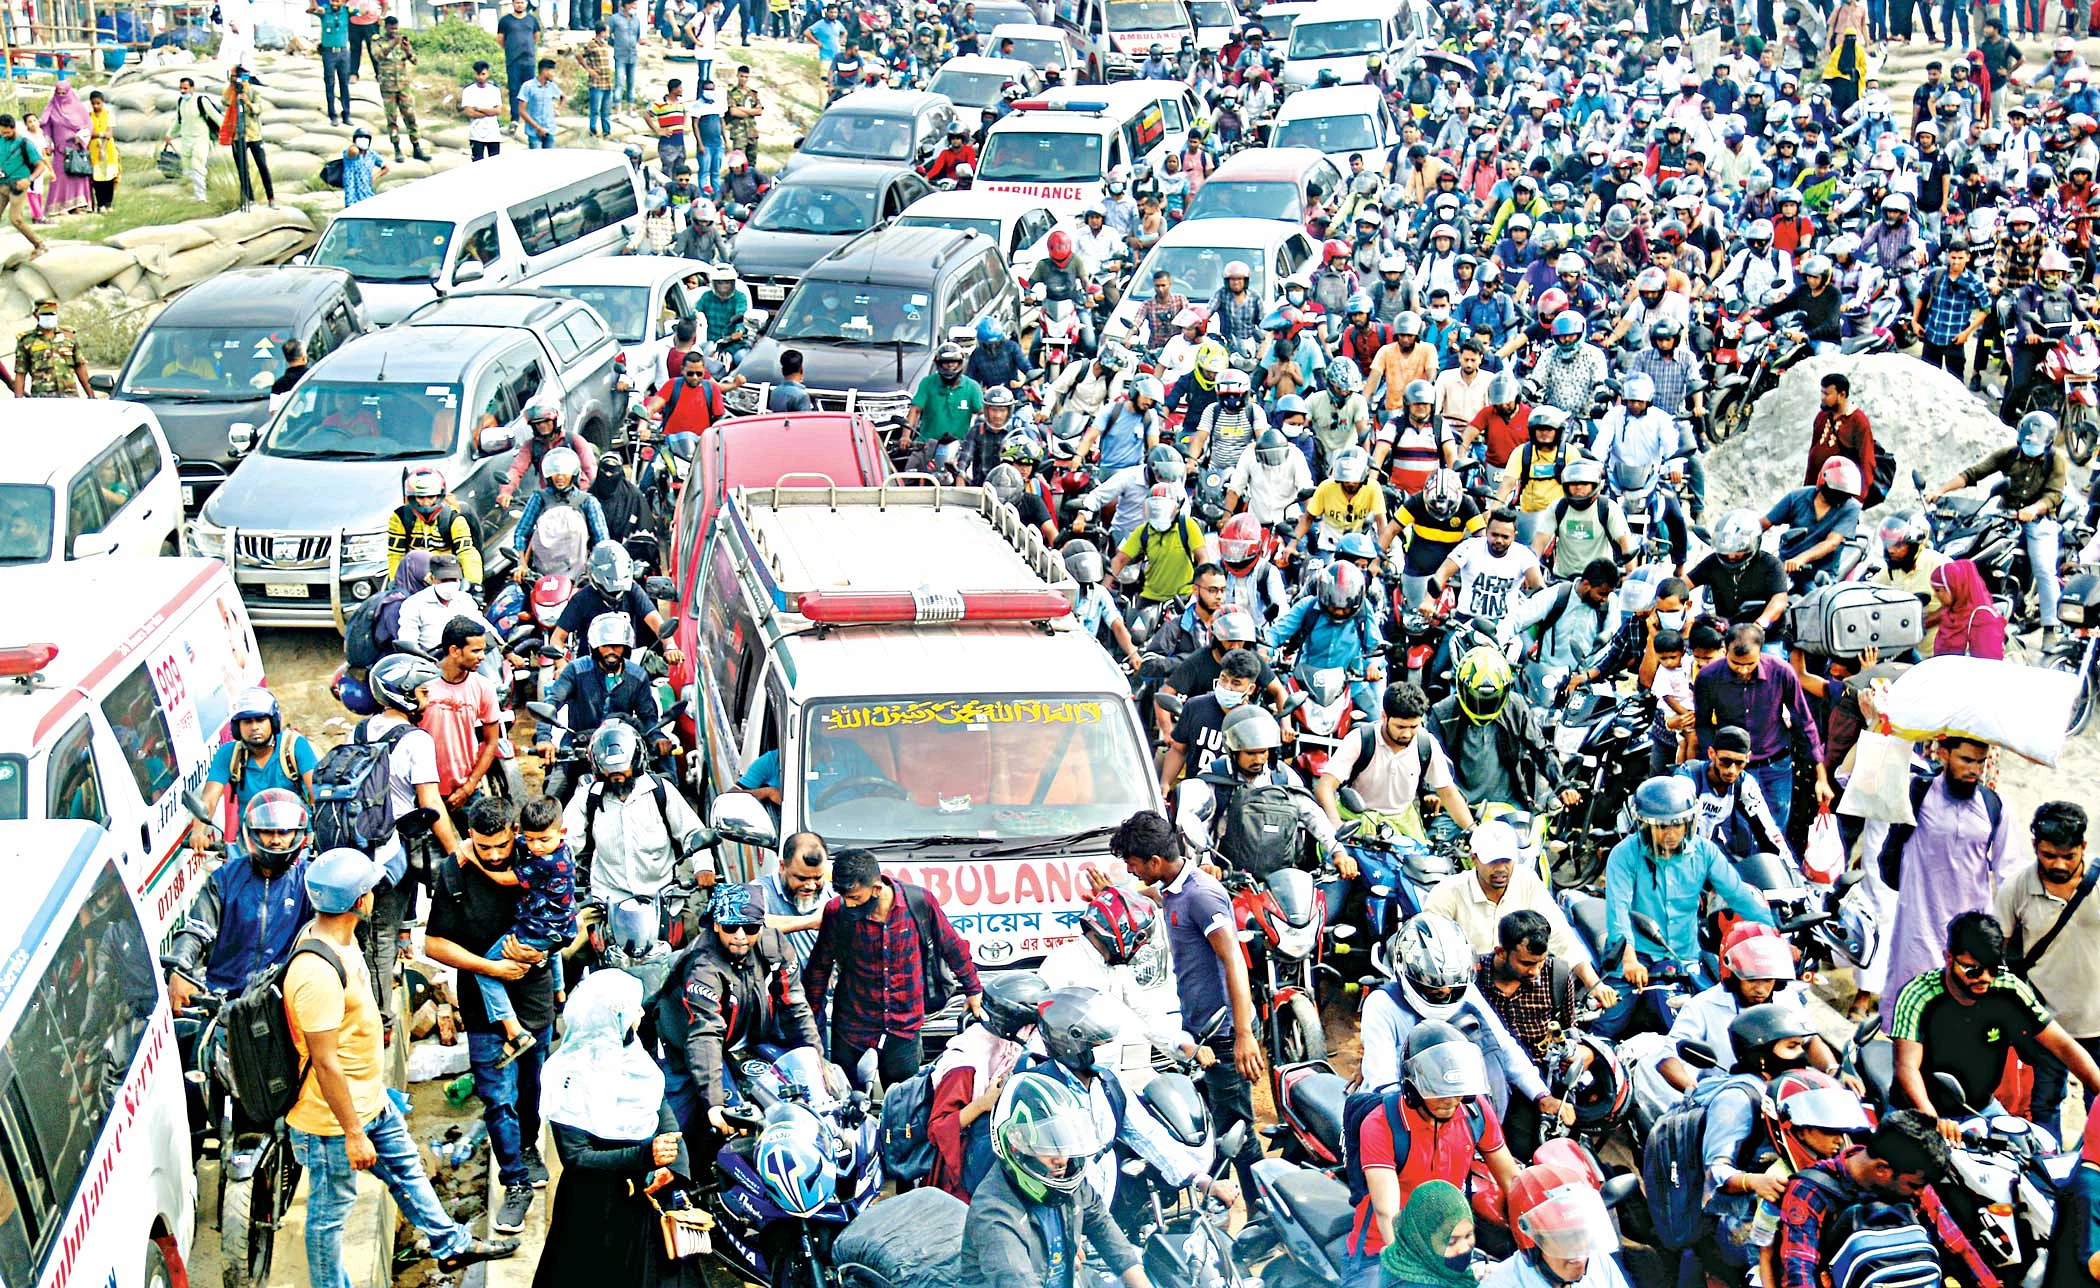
(1319,1203)
(1586,913)
(1316,1103)
(1877,1068)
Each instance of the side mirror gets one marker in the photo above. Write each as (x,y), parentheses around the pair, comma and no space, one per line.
(1171,703)
(798,141)
(469,270)
(1621,1187)
(1352,800)
(1947,1095)
(105,385)
(742,817)
(299,260)
(1291,704)
(1646,925)
(93,545)
(194,803)
(542,711)
(659,588)
(240,438)
(757,319)
(1698,1055)
(1343,931)
(490,440)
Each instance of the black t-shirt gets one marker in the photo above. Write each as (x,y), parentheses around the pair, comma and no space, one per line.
(285,383)
(1200,729)
(589,602)
(474,912)
(1739,592)
(1031,508)
(1199,670)
(1968,1041)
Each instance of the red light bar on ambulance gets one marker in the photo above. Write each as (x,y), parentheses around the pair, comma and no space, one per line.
(863,607)
(1074,105)
(26,659)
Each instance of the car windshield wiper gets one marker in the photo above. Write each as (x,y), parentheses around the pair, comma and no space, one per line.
(921,843)
(1043,844)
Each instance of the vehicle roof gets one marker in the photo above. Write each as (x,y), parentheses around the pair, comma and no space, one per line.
(49,856)
(881,98)
(1235,231)
(989,658)
(74,429)
(1258,164)
(1122,96)
(970,203)
(986,63)
(892,253)
(505,177)
(520,308)
(47,599)
(814,172)
(255,297)
(1339,10)
(1026,31)
(792,441)
(879,540)
(411,354)
(617,270)
(1329,100)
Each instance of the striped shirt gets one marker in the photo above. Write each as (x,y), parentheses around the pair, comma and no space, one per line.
(669,118)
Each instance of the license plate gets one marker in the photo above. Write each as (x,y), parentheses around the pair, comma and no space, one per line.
(285,590)
(189,496)
(284,549)
(772,292)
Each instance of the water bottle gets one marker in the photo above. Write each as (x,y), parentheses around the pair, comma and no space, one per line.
(1764,1227)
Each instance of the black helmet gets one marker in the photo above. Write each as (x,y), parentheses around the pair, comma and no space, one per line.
(1013,1002)
(1072,1023)
(1759,1027)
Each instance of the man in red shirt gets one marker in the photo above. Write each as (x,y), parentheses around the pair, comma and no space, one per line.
(462,715)
(1446,1118)
(1841,430)
(960,151)
(692,402)
(1505,421)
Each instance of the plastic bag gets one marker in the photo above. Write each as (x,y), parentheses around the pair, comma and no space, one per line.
(1823,859)
(1880,782)
(2026,709)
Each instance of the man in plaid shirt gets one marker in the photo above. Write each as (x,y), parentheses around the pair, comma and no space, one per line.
(1160,311)
(1897,1164)
(1953,304)
(875,936)
(597,60)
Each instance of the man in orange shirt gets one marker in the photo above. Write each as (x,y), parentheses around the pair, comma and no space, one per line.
(1400,363)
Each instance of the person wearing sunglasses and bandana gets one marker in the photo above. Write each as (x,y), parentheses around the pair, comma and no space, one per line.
(736,987)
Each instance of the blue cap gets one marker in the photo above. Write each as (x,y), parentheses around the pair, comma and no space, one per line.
(339,878)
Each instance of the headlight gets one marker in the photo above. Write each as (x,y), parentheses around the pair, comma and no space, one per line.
(364,548)
(743,400)
(207,541)
(1295,941)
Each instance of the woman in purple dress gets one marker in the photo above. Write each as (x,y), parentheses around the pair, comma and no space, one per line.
(66,125)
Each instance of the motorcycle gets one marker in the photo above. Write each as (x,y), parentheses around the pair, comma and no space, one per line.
(1282,920)
(1980,529)
(257,1173)
(2073,365)
(2078,651)
(1181,1234)
(1605,740)
(1323,720)
(1768,352)
(774,1224)
(2007,1174)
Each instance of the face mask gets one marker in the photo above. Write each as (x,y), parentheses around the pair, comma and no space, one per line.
(1459,1262)
(1227,698)
(360,144)
(1671,619)
(48,321)
(1440,314)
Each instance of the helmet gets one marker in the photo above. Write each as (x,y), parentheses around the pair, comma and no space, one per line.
(990,330)
(794,1155)
(608,630)
(1013,1001)
(1233,381)
(1357,545)
(1162,505)
(2037,432)
(2022,215)
(1341,587)
(1758,1027)
(1211,357)
(1060,248)
(615,748)
(1232,625)
(1664,329)
(1417,393)
(1840,474)
(562,462)
(275,810)
(1640,387)
(1816,266)
(1236,268)
(423,488)
(1044,1133)
(1441,1062)
(1895,203)
(1392,263)
(1252,729)
(543,413)
(1408,323)
(1904,528)
(949,355)
(352,693)
(1359,302)
(1579,469)
(1567,326)
(1118,923)
(1163,464)
(1562,1222)
(1503,389)
(1004,482)
(257,703)
(395,678)
(1336,248)
(1754,951)
(611,570)
(1812,1098)
(336,880)
(1665,800)
(1442,493)
(1519,221)
(1288,405)
(1738,533)
(1551,302)
(1482,679)
(1618,222)
(1150,387)
(1651,279)
(1351,465)
(1083,561)
(1073,1022)
(1569,263)
(1272,448)
(1283,319)
(1760,230)
(2054,261)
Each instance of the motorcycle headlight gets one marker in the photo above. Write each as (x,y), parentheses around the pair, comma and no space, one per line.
(1295,941)
(364,548)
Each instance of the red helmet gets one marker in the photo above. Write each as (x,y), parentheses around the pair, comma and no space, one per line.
(1551,303)
(1812,1098)
(549,596)
(1572,1160)
(1564,1223)
(1060,248)
(1337,249)
(1755,951)
(1532,1186)
(1118,923)
(1240,542)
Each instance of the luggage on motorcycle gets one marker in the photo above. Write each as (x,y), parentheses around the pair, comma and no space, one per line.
(907,1151)
(1851,617)
(912,1240)
(353,801)
(1872,1244)
(1673,1172)
(1358,1107)
(265,1063)
(561,543)
(1263,829)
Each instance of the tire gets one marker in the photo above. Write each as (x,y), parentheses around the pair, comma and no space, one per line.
(2082,705)
(236,1236)
(1299,1036)
(248,1221)
(1730,417)
(2079,431)
(791,1269)
(157,1273)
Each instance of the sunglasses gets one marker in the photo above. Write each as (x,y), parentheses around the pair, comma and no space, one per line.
(740,927)
(1976,971)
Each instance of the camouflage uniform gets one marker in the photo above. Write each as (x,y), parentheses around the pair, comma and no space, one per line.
(742,131)
(47,361)
(394,56)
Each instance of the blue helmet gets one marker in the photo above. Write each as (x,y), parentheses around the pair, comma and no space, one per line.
(737,905)
(1567,326)
(257,703)
(351,691)
(1277,320)
(2037,433)
(1289,405)
(1357,545)
(1360,302)
(339,878)
(794,1159)
(990,331)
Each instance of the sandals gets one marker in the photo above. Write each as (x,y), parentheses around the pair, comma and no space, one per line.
(515,1047)
(478,1251)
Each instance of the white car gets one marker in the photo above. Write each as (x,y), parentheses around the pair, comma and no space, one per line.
(1338,120)
(1337,36)
(1277,19)
(1195,254)
(1215,21)
(974,81)
(1039,46)
(1019,225)
(85,480)
(640,297)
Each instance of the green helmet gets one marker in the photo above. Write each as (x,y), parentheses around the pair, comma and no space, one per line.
(1482,683)
(1039,1125)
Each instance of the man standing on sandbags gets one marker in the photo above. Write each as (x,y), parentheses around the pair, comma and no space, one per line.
(396,57)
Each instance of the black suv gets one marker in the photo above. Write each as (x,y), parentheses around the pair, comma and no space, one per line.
(868,317)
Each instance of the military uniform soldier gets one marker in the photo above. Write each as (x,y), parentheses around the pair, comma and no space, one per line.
(47,360)
(394,56)
(740,124)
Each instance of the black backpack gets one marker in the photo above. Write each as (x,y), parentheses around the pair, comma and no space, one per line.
(1367,749)
(1263,829)
(1673,1170)
(940,981)
(907,1153)
(1885,469)
(1357,1108)
(595,798)
(267,1069)
(1891,857)
(361,635)
(353,802)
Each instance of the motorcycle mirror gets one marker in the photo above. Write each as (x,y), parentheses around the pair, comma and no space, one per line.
(195,805)
(1620,1188)
(1248,936)
(1234,1137)
(1291,704)
(1646,925)
(1947,1094)
(1171,703)
(1305,493)
(542,711)
(1133,1167)
(1348,829)
(1352,800)
(1698,1055)
(1343,931)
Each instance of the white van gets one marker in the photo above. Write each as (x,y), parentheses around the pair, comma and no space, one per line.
(1118,34)
(87,480)
(1337,36)
(1062,146)
(94,1129)
(116,685)
(1341,121)
(904,665)
(492,224)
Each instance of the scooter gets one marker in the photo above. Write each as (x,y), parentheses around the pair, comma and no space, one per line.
(1181,1233)
(2078,652)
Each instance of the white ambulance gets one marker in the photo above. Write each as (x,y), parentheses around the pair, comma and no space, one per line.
(1060,148)
(117,678)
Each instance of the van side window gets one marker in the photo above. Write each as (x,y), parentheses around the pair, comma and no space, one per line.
(564,344)
(85,512)
(67,1058)
(574,212)
(524,377)
(1324,179)
(731,633)
(480,244)
(134,713)
(144,454)
(75,789)
(1170,112)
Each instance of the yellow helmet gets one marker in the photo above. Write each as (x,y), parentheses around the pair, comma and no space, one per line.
(1211,360)
(1482,683)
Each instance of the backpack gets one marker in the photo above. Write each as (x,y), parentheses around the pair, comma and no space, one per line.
(595,797)
(561,541)
(1181,530)
(1891,857)
(1673,1172)
(1885,468)
(286,748)
(332,172)
(353,803)
(907,1153)
(713,391)
(1357,1108)
(941,985)
(267,1069)
(361,635)
(1544,626)
(1369,749)
(1872,1244)
(1263,829)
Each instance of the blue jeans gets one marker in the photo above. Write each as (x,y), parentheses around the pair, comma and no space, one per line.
(2051,1079)
(332,1191)
(711,154)
(515,74)
(510,1098)
(1360,1272)
(2042,536)
(494,995)
(601,111)
(538,139)
(1951,12)
(623,79)
(1777,780)
(335,81)
(1642,1009)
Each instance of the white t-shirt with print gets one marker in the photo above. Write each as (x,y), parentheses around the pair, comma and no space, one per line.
(483,129)
(1486,581)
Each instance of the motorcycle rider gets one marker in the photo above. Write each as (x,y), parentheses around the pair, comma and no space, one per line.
(997,359)
(1416,443)
(1584,524)
(1431,524)
(1252,582)
(564,489)
(2035,471)
(1252,739)
(1570,372)
(1116,927)
(544,420)
(970,1074)
(1346,502)
(249,914)
(1531,481)
(1893,239)
(1235,309)
(1096,612)
(1027,1217)
(1661,871)
(1815,298)
(1564,625)
(424,521)
(1758,269)
(1336,626)
(1757,970)
(592,689)
(610,587)
(1392,773)
(2044,312)
(1063,275)
(1229,426)
(1268,479)
(1563,1232)
(631,830)
(1743,581)
(1732,809)
(1636,436)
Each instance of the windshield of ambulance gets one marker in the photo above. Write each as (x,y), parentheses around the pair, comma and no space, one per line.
(884,770)
(14,783)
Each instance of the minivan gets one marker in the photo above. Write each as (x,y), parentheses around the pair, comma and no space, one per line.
(1060,147)
(84,480)
(484,226)
(208,360)
(1338,36)
(1268,183)
(1118,34)
(879,126)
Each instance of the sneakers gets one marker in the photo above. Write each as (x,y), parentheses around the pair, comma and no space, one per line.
(517,1201)
(535,1167)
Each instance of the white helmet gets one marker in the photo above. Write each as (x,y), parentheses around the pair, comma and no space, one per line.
(1737,533)
(561,461)
(1640,387)
(1435,962)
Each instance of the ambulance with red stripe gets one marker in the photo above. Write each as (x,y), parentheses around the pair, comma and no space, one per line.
(117,678)
(1061,148)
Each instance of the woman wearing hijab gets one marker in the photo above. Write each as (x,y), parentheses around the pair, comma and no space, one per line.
(625,511)
(102,153)
(412,576)
(1432,1243)
(1969,622)
(619,1147)
(66,126)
